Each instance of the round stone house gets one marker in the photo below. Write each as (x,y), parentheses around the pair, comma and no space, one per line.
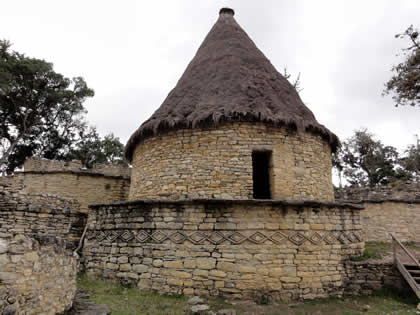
(231,190)
(232,128)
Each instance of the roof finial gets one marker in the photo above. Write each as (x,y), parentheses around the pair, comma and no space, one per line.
(226,11)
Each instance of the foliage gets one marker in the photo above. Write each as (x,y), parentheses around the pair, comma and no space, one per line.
(405,83)
(411,160)
(40,109)
(91,148)
(365,161)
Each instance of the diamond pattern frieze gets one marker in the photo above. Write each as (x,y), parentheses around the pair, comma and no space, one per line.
(236,238)
(257,238)
(112,235)
(127,236)
(178,237)
(158,236)
(315,238)
(142,236)
(297,238)
(100,236)
(218,237)
(278,237)
(329,238)
(197,238)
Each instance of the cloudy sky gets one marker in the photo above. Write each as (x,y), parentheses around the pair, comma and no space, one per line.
(133,52)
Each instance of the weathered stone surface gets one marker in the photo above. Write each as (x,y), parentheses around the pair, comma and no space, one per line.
(393,208)
(195,300)
(197,309)
(102,183)
(279,251)
(44,279)
(217,163)
(24,213)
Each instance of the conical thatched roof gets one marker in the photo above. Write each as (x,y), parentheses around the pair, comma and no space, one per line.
(230,79)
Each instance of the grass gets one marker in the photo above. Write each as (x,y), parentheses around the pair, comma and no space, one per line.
(375,250)
(378,250)
(123,301)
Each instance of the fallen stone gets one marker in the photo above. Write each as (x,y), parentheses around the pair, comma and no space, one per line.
(226,312)
(82,306)
(10,310)
(366,308)
(197,309)
(195,300)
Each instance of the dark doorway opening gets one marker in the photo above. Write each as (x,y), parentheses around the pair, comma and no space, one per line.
(261,174)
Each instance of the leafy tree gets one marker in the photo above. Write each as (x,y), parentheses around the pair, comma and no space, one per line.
(91,148)
(405,83)
(365,161)
(411,160)
(40,109)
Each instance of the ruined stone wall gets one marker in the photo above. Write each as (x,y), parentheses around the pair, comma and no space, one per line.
(217,163)
(399,191)
(44,165)
(102,183)
(394,208)
(238,248)
(364,277)
(37,275)
(23,213)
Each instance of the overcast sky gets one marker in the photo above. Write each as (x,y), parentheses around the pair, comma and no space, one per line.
(133,52)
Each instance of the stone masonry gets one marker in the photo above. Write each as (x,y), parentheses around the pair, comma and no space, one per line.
(217,163)
(102,183)
(30,214)
(238,248)
(394,208)
(37,275)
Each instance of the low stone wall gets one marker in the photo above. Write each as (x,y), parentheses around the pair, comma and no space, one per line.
(240,248)
(102,183)
(37,276)
(44,165)
(401,191)
(363,278)
(22,213)
(394,208)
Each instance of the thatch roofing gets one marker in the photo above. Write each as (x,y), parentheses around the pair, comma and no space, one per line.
(230,79)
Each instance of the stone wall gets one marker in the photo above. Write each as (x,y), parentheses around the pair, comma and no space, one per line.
(398,191)
(217,163)
(239,248)
(44,165)
(401,218)
(37,275)
(394,208)
(364,277)
(102,183)
(23,213)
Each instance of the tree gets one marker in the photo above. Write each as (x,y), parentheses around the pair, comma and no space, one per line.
(40,110)
(411,160)
(405,83)
(365,161)
(91,148)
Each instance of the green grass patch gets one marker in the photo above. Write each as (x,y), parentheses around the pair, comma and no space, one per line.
(126,301)
(375,250)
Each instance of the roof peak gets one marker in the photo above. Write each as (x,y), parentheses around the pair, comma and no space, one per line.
(226,11)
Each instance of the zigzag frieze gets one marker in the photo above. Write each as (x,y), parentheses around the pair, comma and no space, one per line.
(225,237)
